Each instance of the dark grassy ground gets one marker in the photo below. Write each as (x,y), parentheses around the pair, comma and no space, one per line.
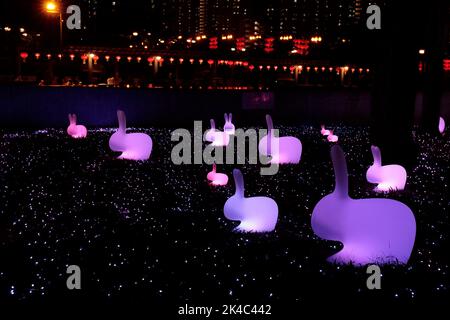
(153,232)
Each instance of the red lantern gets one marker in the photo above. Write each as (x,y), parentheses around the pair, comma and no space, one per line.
(284,68)
(49,56)
(210,62)
(260,67)
(213,43)
(200,61)
(230,63)
(268,45)
(181,60)
(60,56)
(72,57)
(138,59)
(150,60)
(191,61)
(129,59)
(37,55)
(118,58)
(251,67)
(245,64)
(84,57)
(95,58)
(171,60)
(276,68)
(107,58)
(24,56)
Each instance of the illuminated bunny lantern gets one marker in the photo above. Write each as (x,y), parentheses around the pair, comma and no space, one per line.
(391,177)
(323,131)
(134,146)
(281,150)
(256,214)
(218,138)
(371,230)
(217,179)
(332,137)
(74,130)
(229,127)
(441,125)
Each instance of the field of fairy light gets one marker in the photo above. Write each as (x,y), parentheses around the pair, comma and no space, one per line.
(154,230)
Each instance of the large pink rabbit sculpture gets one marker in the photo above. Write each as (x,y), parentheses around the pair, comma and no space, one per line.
(371,230)
(391,177)
(256,214)
(74,130)
(281,150)
(134,146)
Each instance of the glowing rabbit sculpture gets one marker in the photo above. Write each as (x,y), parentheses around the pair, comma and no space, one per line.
(372,230)
(323,131)
(441,125)
(218,138)
(388,178)
(281,150)
(332,137)
(256,214)
(134,146)
(74,130)
(217,179)
(229,127)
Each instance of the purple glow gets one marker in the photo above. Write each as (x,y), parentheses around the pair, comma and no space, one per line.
(371,230)
(229,127)
(388,178)
(256,214)
(281,150)
(217,179)
(324,131)
(332,137)
(218,138)
(74,130)
(134,146)
(441,125)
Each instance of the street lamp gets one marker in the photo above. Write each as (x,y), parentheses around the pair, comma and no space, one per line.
(53,7)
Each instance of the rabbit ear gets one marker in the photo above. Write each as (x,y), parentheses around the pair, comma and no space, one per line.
(376,153)
(239,182)
(226,117)
(74,118)
(213,123)
(269,122)
(230,117)
(340,171)
(122,120)
(70,118)
(322,126)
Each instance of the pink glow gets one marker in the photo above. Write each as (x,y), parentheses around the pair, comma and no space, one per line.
(324,131)
(218,138)
(229,127)
(217,179)
(283,149)
(332,137)
(372,230)
(74,130)
(441,125)
(134,146)
(256,214)
(388,178)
